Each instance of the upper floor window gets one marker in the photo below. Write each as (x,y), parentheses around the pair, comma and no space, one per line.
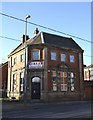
(53,56)
(63,57)
(21,58)
(15,60)
(36,54)
(72,58)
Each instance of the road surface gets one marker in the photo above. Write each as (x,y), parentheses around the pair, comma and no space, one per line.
(76,109)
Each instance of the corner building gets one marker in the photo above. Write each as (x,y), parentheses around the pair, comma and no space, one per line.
(54,69)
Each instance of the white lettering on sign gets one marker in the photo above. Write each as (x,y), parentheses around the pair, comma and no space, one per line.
(35,65)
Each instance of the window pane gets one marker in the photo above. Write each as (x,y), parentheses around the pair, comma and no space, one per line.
(21,82)
(14,82)
(65,74)
(21,88)
(61,74)
(14,61)
(53,73)
(21,58)
(54,87)
(72,81)
(63,87)
(72,75)
(53,55)
(72,87)
(35,55)
(63,57)
(72,59)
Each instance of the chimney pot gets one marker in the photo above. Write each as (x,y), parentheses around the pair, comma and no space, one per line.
(36,31)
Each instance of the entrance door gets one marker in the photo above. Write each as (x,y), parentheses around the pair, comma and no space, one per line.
(35,88)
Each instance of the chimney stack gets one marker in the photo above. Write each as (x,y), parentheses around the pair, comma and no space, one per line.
(23,38)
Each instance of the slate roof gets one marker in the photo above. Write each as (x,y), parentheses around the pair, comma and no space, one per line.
(60,41)
(50,39)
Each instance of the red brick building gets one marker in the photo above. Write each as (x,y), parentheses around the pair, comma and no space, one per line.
(54,69)
(88,82)
(3,78)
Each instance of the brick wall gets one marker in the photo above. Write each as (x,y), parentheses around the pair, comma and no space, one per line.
(88,90)
(3,78)
(55,63)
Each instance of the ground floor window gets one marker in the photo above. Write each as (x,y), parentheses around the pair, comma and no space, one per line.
(21,83)
(55,88)
(63,87)
(14,82)
(63,79)
(72,80)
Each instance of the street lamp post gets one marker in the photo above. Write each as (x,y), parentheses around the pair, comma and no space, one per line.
(25,55)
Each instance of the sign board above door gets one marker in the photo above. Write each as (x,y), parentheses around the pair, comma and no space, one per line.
(35,65)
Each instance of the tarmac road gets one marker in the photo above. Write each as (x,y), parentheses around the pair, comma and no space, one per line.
(71,109)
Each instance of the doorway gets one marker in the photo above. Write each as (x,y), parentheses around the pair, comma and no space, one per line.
(35,88)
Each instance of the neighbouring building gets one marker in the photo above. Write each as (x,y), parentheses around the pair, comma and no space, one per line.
(88,73)
(88,82)
(3,79)
(54,69)
(88,90)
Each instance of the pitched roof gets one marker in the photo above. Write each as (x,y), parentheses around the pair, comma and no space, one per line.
(50,39)
(16,49)
(19,47)
(60,41)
